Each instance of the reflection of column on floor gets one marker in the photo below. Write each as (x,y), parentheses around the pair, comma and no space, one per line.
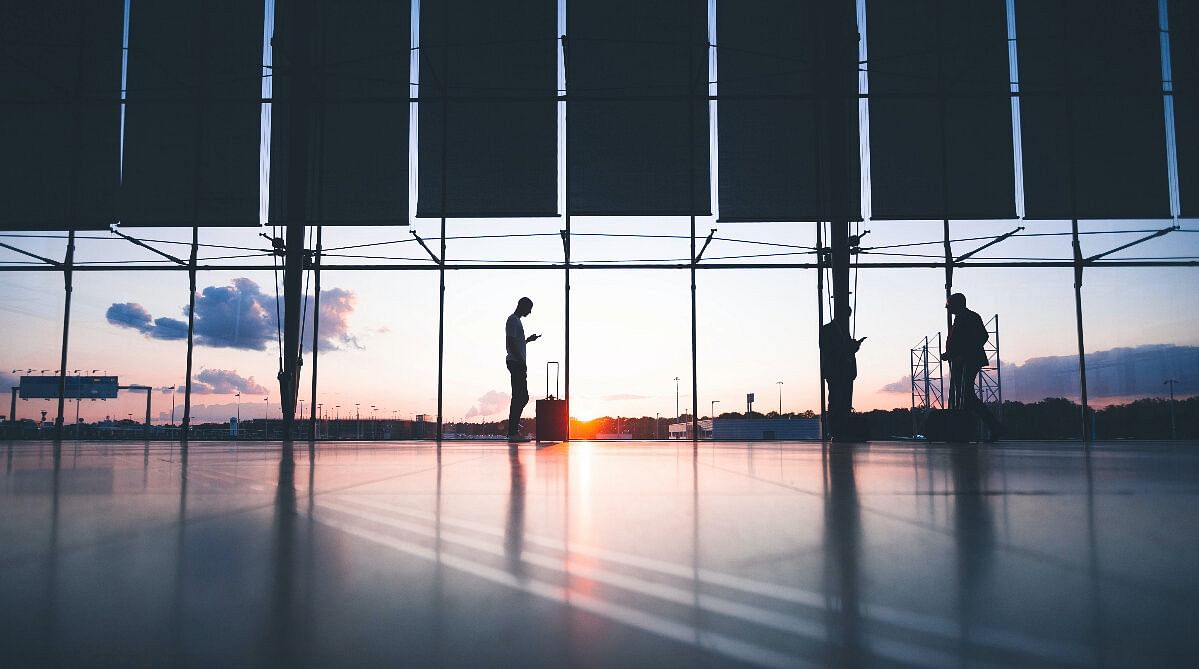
(283,637)
(438,609)
(1098,620)
(842,547)
(695,610)
(50,615)
(177,607)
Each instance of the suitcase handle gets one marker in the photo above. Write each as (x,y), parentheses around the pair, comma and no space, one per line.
(557,369)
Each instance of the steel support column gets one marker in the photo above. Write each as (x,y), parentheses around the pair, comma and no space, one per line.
(441,324)
(12,415)
(316,340)
(1085,431)
(694,348)
(820,324)
(834,99)
(149,397)
(67,275)
(298,108)
(185,426)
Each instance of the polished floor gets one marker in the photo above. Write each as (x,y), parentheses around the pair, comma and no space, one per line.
(600,554)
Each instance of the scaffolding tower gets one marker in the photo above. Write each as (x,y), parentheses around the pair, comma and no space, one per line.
(989,384)
(928,385)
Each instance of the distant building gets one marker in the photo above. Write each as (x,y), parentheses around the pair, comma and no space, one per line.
(614,435)
(749,429)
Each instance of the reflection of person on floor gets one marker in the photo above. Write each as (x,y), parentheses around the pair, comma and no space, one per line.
(974,535)
(514,531)
(964,351)
(839,367)
(514,342)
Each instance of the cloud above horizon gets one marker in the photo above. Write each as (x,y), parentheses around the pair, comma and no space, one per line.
(1113,374)
(225,382)
(241,316)
(491,403)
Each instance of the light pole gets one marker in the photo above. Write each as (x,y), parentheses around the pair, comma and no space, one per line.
(237,434)
(319,417)
(676,399)
(172,389)
(266,409)
(712,411)
(1171,382)
(357,421)
(337,418)
(656,414)
(780,384)
(374,423)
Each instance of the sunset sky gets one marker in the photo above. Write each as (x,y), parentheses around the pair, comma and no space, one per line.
(630,328)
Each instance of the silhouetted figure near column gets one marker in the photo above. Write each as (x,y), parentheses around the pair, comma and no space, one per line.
(514,341)
(839,367)
(964,351)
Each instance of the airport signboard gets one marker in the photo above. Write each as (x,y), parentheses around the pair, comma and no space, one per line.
(77,387)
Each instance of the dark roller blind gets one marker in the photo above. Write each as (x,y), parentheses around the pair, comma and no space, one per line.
(358,91)
(1092,123)
(491,95)
(1184,61)
(193,113)
(637,114)
(769,128)
(60,123)
(940,110)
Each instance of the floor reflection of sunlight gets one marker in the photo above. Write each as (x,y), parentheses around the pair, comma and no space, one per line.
(582,456)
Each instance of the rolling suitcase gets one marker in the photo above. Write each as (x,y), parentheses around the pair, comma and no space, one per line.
(552,421)
(949,425)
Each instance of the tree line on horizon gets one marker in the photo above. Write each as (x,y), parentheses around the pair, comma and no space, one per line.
(1051,419)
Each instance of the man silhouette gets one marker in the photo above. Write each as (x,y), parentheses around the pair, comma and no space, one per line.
(839,367)
(964,351)
(518,368)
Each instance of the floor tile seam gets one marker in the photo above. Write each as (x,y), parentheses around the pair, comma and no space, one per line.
(930,625)
(781,622)
(799,627)
(623,615)
(770,618)
(1022,551)
(557,549)
(434,467)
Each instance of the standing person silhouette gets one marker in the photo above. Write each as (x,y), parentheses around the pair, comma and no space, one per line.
(518,367)
(839,367)
(964,351)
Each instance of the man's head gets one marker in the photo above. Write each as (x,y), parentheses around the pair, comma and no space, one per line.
(524,307)
(956,303)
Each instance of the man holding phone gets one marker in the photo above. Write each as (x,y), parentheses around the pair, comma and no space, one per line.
(515,341)
(839,368)
(965,352)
